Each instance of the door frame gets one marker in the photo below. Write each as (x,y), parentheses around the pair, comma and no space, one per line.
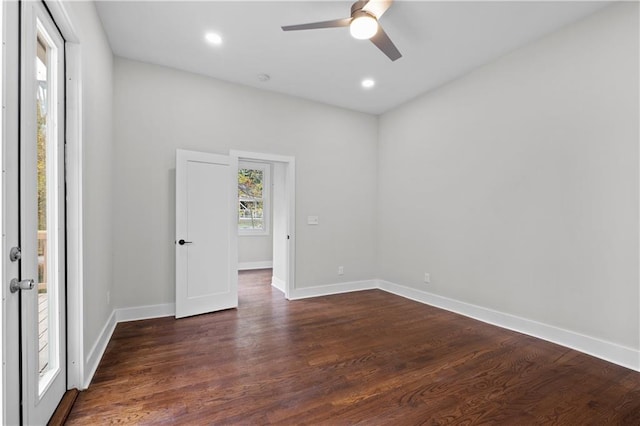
(73,171)
(10,17)
(10,133)
(41,394)
(289,162)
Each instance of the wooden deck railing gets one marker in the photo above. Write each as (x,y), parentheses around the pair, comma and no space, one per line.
(42,261)
(43,305)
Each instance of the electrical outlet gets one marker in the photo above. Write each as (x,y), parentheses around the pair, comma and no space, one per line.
(427,277)
(340,270)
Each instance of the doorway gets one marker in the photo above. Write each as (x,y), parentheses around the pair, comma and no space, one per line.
(36,97)
(266,215)
(34,210)
(255,215)
(208,215)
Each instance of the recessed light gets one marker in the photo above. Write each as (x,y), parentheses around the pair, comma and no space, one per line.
(213,38)
(368,83)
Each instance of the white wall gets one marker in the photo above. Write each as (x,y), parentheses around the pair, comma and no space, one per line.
(516,186)
(255,248)
(158,109)
(97,167)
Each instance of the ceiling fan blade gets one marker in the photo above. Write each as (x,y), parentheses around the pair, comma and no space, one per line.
(377,7)
(315,25)
(384,43)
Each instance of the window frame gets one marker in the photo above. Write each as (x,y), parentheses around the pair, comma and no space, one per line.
(266,198)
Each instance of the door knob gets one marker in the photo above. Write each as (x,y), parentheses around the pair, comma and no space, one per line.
(16,285)
(183,242)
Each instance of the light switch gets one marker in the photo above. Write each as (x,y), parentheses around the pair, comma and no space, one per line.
(312,220)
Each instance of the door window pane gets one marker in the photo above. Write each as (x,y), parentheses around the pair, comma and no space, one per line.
(41,122)
(49,218)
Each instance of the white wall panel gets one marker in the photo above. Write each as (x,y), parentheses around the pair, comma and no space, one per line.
(516,187)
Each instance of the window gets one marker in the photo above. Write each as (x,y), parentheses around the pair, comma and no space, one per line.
(253,198)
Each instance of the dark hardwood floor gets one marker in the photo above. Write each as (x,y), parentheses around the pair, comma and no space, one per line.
(360,358)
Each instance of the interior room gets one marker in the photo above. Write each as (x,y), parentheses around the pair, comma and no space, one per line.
(248,212)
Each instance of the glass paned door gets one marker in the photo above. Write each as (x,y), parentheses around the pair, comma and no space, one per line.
(42,230)
(43,62)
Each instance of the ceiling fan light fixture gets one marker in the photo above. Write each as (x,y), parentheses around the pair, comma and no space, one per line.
(363,26)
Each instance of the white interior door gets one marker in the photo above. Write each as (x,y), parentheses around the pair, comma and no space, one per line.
(41,284)
(206,235)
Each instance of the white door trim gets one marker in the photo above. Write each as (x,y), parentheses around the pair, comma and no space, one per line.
(2,250)
(290,162)
(10,125)
(75,308)
(9,388)
(58,11)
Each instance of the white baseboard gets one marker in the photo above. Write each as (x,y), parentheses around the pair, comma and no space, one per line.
(278,283)
(95,355)
(608,351)
(246,266)
(118,316)
(326,290)
(145,312)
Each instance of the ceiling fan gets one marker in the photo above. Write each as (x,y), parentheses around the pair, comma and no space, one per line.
(363,24)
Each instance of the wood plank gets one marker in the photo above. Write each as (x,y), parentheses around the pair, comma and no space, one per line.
(64,408)
(367,357)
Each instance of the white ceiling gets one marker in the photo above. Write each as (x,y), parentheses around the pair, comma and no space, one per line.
(440,41)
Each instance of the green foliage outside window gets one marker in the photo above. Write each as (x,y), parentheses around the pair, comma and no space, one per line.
(250,203)
(42,166)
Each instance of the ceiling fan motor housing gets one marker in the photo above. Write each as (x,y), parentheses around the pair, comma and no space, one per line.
(357,7)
